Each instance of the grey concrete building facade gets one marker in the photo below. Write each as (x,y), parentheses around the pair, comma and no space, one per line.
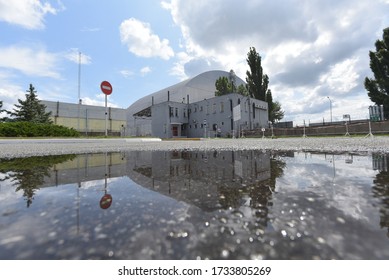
(189,91)
(191,109)
(222,116)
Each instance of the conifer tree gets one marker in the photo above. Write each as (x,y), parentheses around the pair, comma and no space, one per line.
(31,110)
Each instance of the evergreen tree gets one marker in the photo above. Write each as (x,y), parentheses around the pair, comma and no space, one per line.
(31,110)
(378,87)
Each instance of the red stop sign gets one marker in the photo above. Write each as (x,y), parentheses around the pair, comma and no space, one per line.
(106,201)
(106,87)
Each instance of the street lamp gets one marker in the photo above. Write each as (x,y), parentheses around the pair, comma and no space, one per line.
(330,107)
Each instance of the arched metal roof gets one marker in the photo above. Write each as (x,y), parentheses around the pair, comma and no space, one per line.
(197,88)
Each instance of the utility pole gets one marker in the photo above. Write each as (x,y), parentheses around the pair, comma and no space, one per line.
(79,90)
(330,107)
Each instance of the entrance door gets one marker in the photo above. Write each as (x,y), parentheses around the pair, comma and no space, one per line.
(175,130)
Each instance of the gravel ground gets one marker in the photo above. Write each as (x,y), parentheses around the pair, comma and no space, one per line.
(39,147)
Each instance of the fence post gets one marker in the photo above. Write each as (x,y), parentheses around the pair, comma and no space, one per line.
(369,134)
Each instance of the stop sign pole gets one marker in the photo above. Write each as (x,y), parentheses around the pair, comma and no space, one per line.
(106,88)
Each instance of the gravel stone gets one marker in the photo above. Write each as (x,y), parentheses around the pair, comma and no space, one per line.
(13,148)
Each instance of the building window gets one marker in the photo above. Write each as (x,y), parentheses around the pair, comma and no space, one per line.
(176,112)
(253,110)
(201,108)
(184,113)
(171,111)
(221,107)
(214,108)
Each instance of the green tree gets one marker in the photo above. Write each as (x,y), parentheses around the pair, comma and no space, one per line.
(274,108)
(226,85)
(223,86)
(242,89)
(1,111)
(31,110)
(257,82)
(277,113)
(270,104)
(378,87)
(258,85)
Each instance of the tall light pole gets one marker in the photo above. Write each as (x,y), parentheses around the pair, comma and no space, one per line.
(330,107)
(79,91)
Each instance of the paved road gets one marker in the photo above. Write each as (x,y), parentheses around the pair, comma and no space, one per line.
(10,148)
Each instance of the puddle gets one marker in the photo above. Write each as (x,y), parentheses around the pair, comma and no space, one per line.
(195,205)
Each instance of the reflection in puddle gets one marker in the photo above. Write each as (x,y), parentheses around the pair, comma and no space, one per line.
(195,205)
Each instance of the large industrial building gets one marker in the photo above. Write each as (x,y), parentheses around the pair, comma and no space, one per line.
(187,109)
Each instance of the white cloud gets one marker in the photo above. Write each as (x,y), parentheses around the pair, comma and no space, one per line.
(309,49)
(98,100)
(145,70)
(76,56)
(29,14)
(141,40)
(342,77)
(90,29)
(126,73)
(34,62)
(10,94)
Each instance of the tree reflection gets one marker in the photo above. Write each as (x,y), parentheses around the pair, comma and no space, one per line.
(28,174)
(381,188)
(259,192)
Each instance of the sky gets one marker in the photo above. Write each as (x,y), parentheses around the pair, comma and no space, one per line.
(315,52)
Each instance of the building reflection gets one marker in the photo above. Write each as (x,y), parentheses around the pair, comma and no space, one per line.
(210,180)
(381,188)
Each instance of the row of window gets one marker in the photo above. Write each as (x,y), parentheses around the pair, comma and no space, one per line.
(174,112)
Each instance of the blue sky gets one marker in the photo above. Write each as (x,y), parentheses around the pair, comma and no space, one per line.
(310,49)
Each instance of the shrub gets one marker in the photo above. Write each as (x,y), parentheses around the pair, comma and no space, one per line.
(29,129)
